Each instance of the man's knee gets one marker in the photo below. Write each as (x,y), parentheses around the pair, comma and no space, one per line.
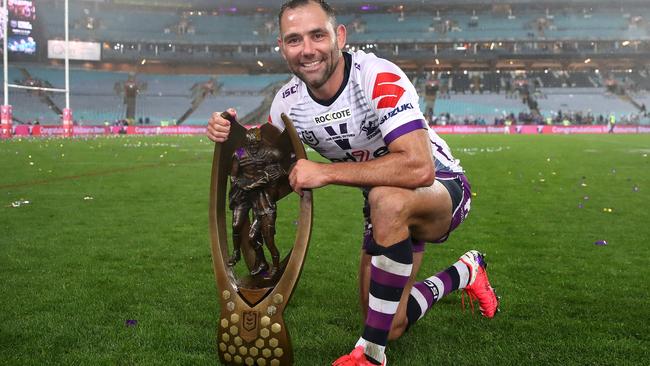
(387,203)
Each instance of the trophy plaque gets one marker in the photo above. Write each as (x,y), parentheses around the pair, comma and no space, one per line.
(254,164)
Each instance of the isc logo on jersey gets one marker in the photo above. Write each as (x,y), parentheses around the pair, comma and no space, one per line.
(332,117)
(289,91)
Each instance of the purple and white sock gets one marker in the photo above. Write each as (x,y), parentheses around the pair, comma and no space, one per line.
(426,293)
(389,272)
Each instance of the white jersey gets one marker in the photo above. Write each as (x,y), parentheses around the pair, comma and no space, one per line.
(376,105)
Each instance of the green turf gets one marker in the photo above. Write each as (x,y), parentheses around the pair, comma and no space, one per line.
(73,270)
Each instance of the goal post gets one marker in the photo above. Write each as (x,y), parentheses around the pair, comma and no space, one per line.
(6,110)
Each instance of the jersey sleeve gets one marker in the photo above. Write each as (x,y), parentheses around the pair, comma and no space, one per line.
(393,98)
(283,101)
(277,108)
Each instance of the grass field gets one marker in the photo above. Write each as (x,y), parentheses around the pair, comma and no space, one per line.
(109,263)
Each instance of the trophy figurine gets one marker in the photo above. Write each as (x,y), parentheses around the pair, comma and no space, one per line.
(254,179)
(255,164)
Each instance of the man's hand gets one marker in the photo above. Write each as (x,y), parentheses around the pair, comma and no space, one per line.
(307,174)
(219,127)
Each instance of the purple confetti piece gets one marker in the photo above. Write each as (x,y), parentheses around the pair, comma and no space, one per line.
(600,242)
(580,205)
(131,322)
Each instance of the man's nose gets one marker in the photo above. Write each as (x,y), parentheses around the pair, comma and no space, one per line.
(308,47)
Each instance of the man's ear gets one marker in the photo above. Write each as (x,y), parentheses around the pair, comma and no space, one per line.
(280,47)
(341,35)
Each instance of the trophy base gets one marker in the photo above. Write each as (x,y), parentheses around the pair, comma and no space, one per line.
(253,336)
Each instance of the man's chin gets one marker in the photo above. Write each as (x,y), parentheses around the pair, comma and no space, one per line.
(315,84)
(313,81)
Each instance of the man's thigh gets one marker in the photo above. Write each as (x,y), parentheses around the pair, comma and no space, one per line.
(427,211)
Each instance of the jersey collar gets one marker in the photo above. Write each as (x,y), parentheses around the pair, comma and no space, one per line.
(346,76)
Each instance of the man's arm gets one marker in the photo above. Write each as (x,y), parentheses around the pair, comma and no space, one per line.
(409,165)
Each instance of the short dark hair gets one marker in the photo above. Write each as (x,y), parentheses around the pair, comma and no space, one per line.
(292,4)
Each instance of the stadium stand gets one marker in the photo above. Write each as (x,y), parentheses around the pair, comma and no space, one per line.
(591,100)
(232,29)
(95,101)
(491,59)
(488,106)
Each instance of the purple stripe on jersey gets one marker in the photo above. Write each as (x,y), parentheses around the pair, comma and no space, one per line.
(460,214)
(425,291)
(403,130)
(386,278)
(446,280)
(441,174)
(379,320)
(441,151)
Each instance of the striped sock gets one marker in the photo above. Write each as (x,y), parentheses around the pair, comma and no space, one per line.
(389,273)
(426,293)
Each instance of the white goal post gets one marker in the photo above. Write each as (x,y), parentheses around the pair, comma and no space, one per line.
(6,108)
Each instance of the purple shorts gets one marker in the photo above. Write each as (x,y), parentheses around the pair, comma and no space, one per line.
(461,197)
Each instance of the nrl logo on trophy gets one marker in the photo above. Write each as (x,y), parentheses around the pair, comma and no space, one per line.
(250,178)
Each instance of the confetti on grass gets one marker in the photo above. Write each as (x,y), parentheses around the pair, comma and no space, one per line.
(131,322)
(600,242)
(20,202)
